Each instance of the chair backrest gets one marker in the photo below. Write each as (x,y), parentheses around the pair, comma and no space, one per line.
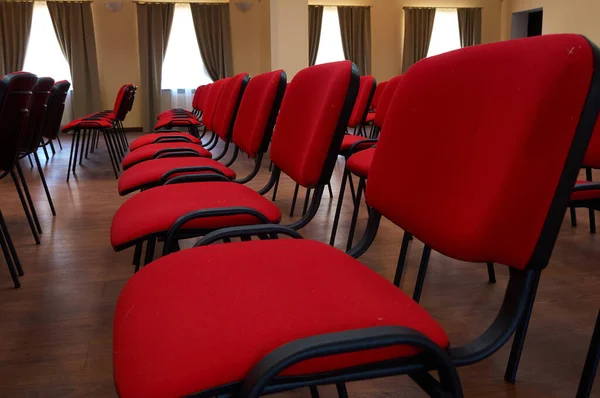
(592,156)
(56,108)
(37,115)
(363,101)
(385,100)
(212,102)
(257,112)
(16,90)
(312,120)
(228,105)
(375,101)
(479,122)
(119,98)
(125,102)
(197,94)
(203,96)
(132,97)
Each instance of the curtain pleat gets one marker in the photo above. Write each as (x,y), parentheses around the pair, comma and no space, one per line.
(469,26)
(355,26)
(418,26)
(315,21)
(15,26)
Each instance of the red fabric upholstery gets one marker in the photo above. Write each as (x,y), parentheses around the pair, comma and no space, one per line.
(307,121)
(148,151)
(385,99)
(378,90)
(119,99)
(592,156)
(479,122)
(360,163)
(363,100)
(151,139)
(150,172)
(88,124)
(212,102)
(370,117)
(254,112)
(155,210)
(203,317)
(230,98)
(585,195)
(202,97)
(349,140)
(176,121)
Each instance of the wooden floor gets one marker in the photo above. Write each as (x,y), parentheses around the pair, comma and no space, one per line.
(55,331)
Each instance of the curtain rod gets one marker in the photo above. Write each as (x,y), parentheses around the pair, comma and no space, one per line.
(179,2)
(430,8)
(339,5)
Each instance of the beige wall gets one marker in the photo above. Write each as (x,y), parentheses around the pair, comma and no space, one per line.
(289,35)
(251,38)
(565,16)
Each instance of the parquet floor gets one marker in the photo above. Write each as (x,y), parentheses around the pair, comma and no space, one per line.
(55,332)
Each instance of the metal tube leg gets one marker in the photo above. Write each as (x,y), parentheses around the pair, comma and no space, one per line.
(519,340)
(330,190)
(52,147)
(11,246)
(491,273)
(422,272)
(406,238)
(110,155)
(341,390)
(314,392)
(591,364)
(59,143)
(45,150)
(87,147)
(150,251)
(25,208)
(306,200)
(28,195)
(30,162)
(83,140)
(9,262)
(338,209)
(361,186)
(294,200)
(71,156)
(137,255)
(573,217)
(276,186)
(352,190)
(43,178)
(76,150)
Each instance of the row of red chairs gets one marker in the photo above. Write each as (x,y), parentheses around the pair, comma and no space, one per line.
(86,131)
(30,108)
(262,316)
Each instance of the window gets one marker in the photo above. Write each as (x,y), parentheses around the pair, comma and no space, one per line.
(44,56)
(183,67)
(330,44)
(445,36)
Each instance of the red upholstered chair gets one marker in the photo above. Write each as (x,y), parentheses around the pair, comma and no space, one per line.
(252,130)
(86,131)
(370,119)
(304,150)
(54,114)
(219,119)
(313,315)
(16,90)
(182,118)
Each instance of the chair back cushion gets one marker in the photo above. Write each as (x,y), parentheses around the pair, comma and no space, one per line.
(377,95)
(312,120)
(385,99)
(484,146)
(363,101)
(592,156)
(37,115)
(257,112)
(212,102)
(228,105)
(16,90)
(56,108)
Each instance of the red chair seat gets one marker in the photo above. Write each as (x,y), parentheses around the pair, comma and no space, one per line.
(148,151)
(360,163)
(151,139)
(177,121)
(349,140)
(370,117)
(85,123)
(585,195)
(147,174)
(202,318)
(155,210)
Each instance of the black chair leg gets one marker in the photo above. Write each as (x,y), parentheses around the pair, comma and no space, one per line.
(11,246)
(591,364)
(52,147)
(361,186)
(276,187)
(137,255)
(306,200)
(76,150)
(86,134)
(25,208)
(43,178)
(510,375)
(150,251)
(9,262)
(71,156)
(491,273)
(294,200)
(45,151)
(87,147)
(113,162)
(573,217)
(338,209)
(29,200)
(406,238)
(59,143)
(30,162)
(330,190)
(422,272)
(352,190)
(341,390)
(314,392)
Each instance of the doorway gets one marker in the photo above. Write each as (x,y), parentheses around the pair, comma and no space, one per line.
(527,23)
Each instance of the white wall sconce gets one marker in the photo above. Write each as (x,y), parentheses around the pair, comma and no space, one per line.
(113,5)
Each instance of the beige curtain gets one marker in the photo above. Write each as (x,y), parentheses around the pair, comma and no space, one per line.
(15,25)
(355,26)
(213,32)
(418,25)
(315,20)
(469,25)
(74,29)
(154,26)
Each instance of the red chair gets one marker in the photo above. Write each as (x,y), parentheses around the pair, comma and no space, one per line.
(182,118)
(258,317)
(217,119)
(304,150)
(252,130)
(56,108)
(16,90)
(370,119)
